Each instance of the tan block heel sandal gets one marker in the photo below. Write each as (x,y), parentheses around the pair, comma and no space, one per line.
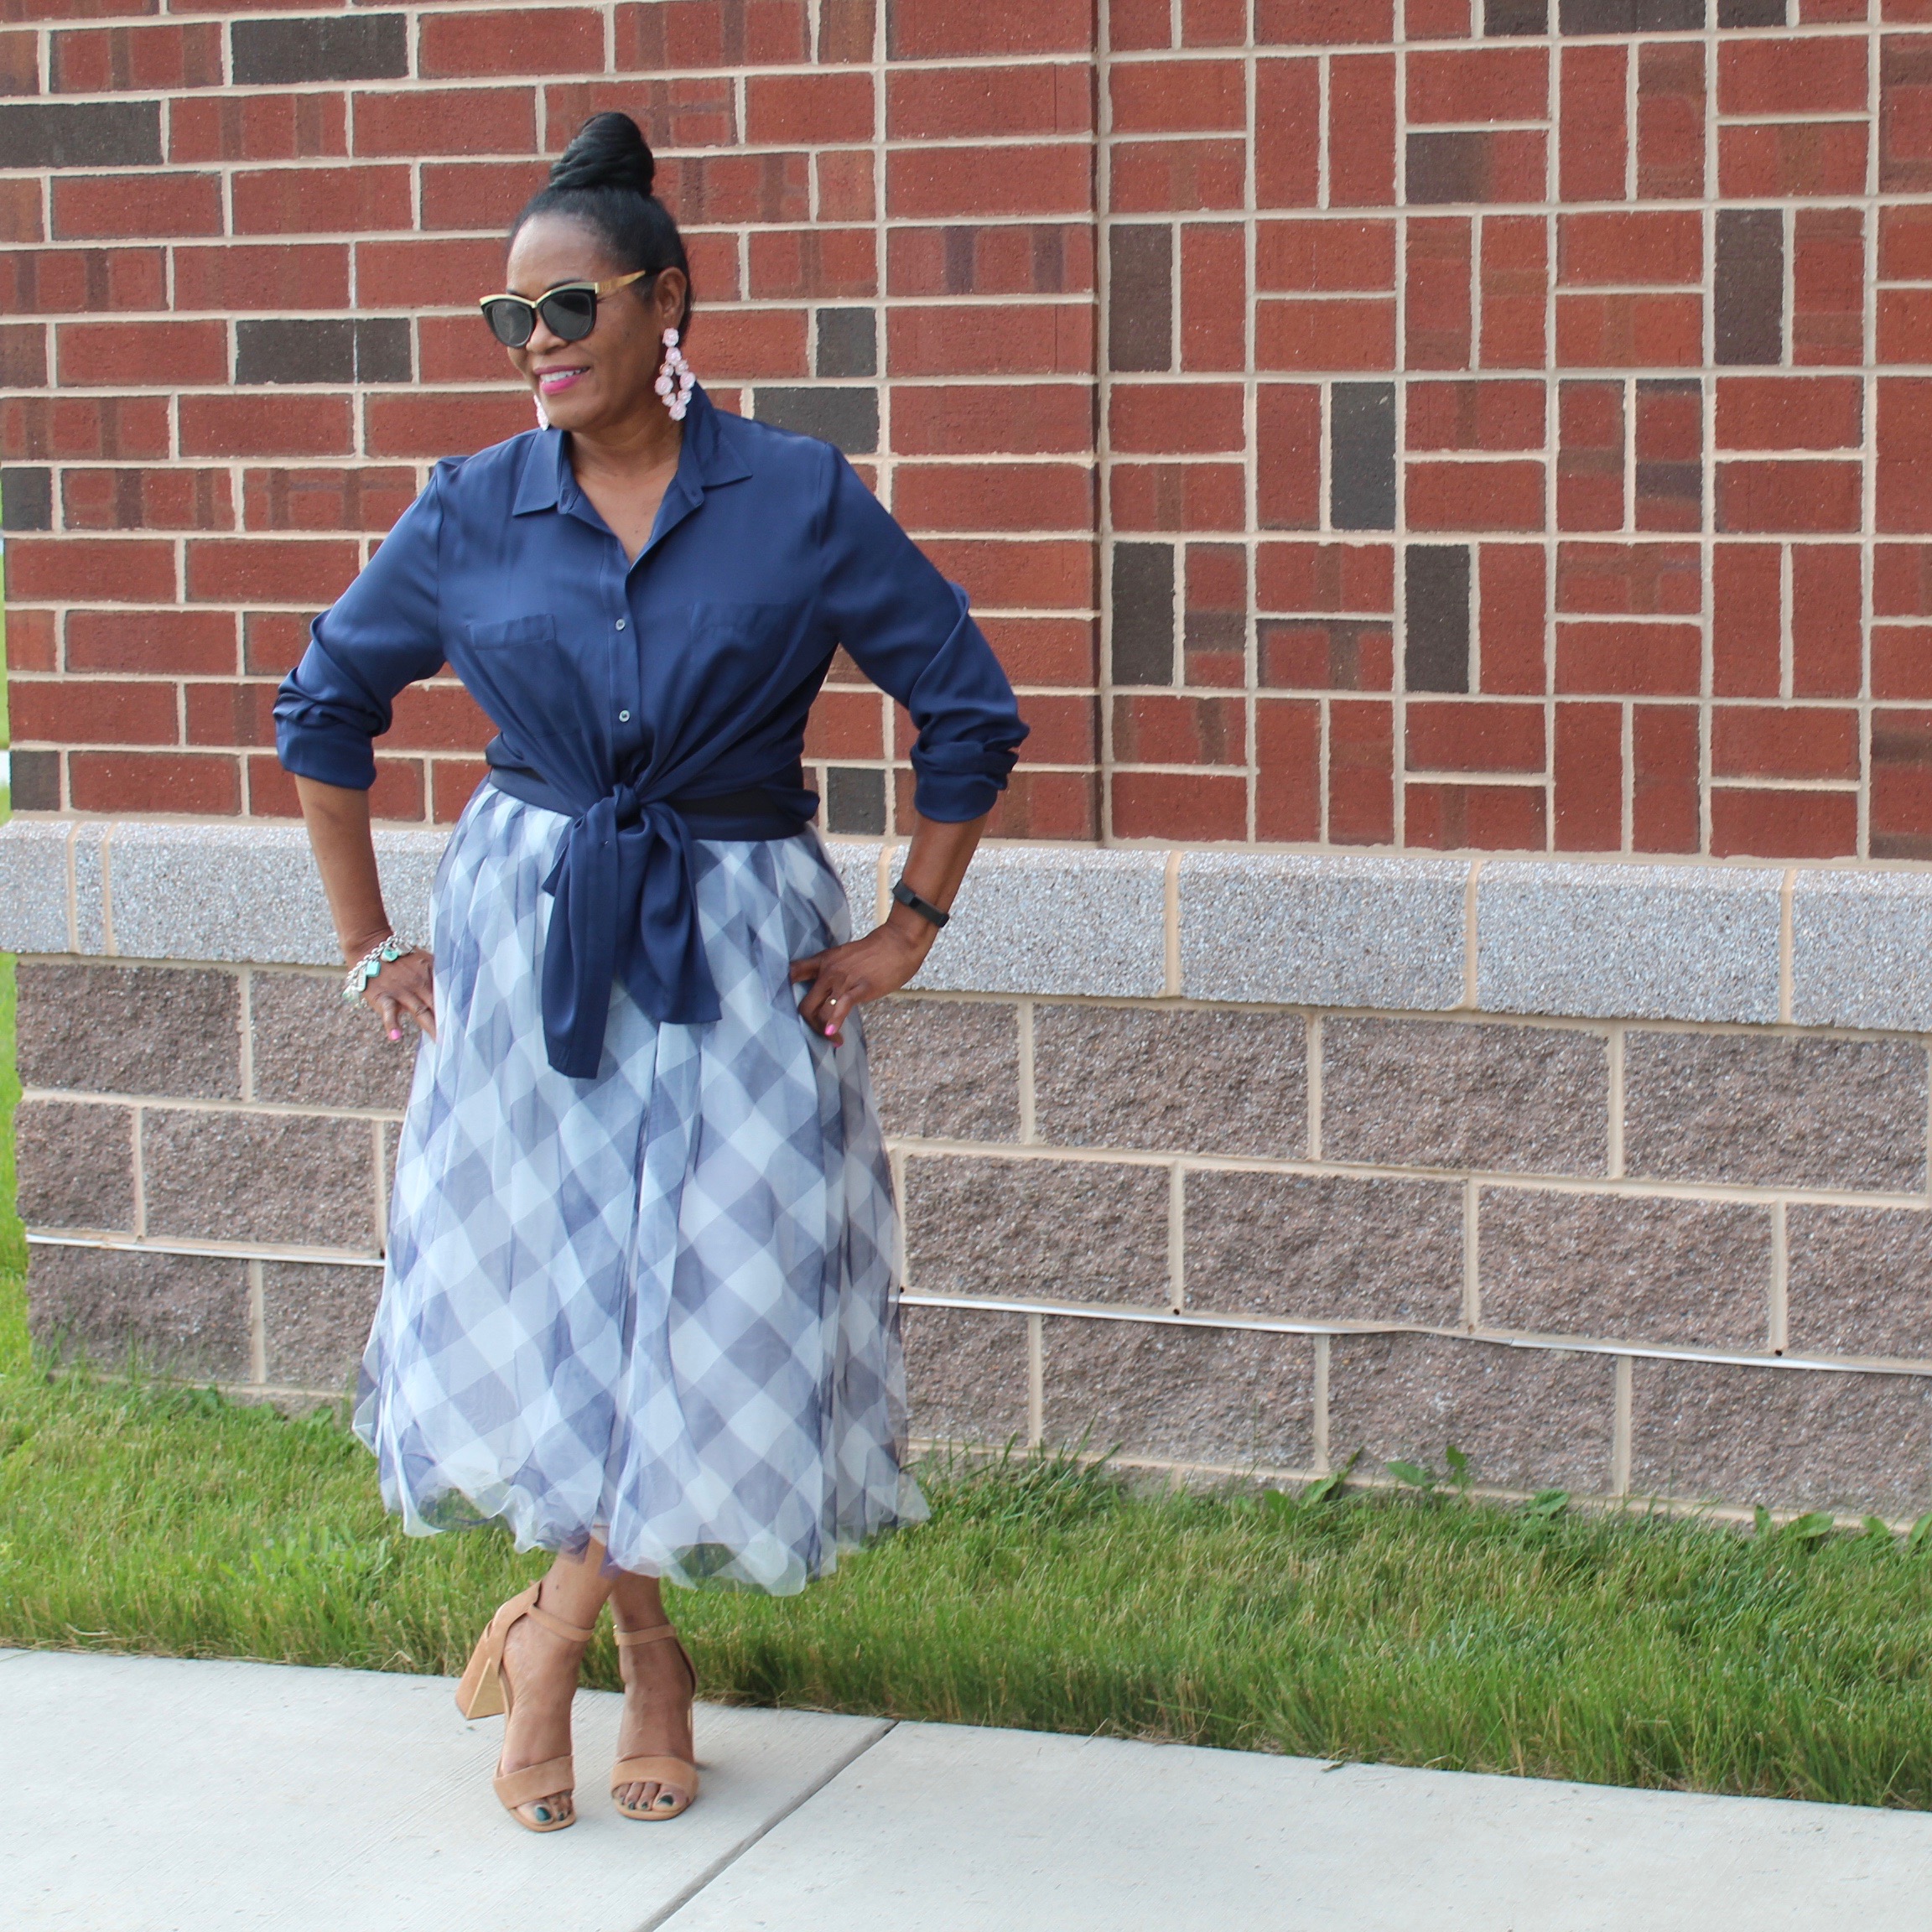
(663,1772)
(486,1692)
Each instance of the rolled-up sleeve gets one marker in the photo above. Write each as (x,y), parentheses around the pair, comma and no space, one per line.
(381,635)
(910,632)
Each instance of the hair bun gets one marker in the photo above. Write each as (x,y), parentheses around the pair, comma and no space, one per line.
(608,151)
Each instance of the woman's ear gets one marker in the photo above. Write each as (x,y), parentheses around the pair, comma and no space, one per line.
(669,294)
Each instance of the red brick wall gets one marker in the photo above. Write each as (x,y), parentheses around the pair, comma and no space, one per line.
(1462,423)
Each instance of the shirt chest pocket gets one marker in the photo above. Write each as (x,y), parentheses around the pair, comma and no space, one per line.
(753,637)
(536,633)
(517,670)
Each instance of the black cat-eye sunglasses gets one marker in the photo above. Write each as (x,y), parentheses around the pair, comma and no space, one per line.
(569,310)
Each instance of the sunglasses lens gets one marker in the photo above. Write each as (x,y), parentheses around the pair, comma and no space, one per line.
(509,322)
(568,313)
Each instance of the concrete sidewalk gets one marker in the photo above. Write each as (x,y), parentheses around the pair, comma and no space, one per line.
(149,1795)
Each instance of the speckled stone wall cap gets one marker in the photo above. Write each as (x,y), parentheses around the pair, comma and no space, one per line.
(1054,919)
(246,893)
(1638,942)
(34,886)
(1862,949)
(856,862)
(87,866)
(1309,929)
(1592,939)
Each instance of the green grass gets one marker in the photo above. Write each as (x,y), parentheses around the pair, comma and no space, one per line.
(1398,1628)
(14,1347)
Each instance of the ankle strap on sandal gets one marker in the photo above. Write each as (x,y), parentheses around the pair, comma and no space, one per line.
(657,1634)
(558,1628)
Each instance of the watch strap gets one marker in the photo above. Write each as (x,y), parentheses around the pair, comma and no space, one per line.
(905,895)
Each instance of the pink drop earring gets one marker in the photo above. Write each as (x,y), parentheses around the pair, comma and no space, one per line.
(675,381)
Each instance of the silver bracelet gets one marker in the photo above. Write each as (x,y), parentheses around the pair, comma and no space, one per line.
(384,952)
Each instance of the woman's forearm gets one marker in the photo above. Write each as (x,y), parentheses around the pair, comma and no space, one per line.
(935,864)
(337,817)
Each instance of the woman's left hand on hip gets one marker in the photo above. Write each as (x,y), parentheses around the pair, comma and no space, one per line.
(846,977)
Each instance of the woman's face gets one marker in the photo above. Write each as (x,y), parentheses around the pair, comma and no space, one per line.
(605,380)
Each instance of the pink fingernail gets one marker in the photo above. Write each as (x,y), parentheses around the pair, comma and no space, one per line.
(831,1032)
(395,1033)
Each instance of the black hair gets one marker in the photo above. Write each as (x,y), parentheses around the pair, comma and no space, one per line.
(603,179)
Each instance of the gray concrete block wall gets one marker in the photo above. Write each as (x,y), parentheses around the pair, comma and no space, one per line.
(1502,1181)
(173,1119)
(1614,1176)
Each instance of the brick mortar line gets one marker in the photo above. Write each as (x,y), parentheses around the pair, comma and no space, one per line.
(1102,199)
(1868,220)
(1401,534)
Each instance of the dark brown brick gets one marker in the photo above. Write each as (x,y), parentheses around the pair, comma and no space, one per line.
(1747,299)
(1362,459)
(331,47)
(80,134)
(1436,640)
(1143,595)
(1140,313)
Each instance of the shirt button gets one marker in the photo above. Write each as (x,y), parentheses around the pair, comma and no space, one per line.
(623,717)
(620,623)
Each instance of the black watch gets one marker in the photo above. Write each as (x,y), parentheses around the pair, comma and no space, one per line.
(905,895)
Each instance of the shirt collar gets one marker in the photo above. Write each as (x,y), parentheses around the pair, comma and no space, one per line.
(711,457)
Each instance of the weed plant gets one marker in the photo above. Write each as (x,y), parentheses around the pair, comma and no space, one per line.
(1416,1626)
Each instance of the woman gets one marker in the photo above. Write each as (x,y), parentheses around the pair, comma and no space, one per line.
(640,1302)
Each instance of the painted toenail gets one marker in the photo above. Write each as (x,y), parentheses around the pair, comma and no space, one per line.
(542,1814)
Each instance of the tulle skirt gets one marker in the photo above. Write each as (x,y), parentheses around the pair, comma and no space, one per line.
(658,1308)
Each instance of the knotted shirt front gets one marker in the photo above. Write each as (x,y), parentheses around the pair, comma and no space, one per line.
(625,692)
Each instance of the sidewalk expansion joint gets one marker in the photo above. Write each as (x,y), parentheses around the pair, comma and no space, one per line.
(720,1866)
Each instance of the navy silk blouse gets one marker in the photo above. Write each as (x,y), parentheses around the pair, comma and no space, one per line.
(628,693)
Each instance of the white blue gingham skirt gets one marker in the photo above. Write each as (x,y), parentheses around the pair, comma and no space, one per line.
(658,1308)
